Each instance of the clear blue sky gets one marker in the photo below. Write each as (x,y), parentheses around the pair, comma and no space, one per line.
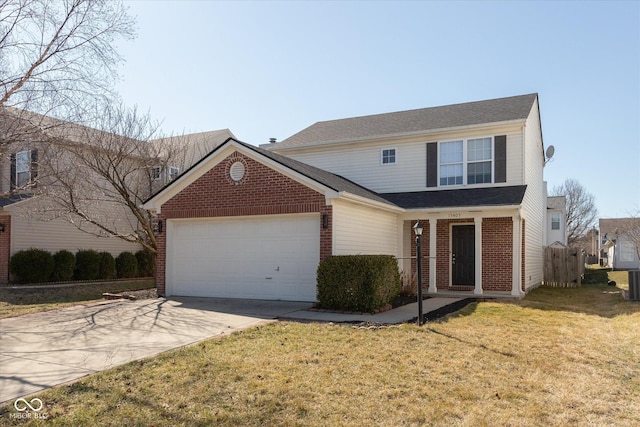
(269,69)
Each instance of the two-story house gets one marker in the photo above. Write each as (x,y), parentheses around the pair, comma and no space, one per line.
(556,225)
(32,146)
(249,222)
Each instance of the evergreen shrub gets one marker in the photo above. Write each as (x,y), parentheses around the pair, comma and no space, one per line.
(362,283)
(31,266)
(107,266)
(64,265)
(126,265)
(146,263)
(87,265)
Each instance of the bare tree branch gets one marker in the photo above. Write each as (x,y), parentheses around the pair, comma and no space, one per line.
(58,57)
(581,209)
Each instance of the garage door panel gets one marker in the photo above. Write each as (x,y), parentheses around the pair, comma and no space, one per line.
(269,257)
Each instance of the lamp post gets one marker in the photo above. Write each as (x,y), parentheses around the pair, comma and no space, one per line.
(417,229)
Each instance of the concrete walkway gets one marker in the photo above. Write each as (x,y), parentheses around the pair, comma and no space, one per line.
(43,350)
(398,315)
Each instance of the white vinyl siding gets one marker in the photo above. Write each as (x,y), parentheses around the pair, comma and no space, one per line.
(32,228)
(361,163)
(535,200)
(59,234)
(362,230)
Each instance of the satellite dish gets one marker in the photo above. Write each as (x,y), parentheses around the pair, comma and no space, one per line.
(550,151)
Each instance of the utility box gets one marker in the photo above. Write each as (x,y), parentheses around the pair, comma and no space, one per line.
(634,285)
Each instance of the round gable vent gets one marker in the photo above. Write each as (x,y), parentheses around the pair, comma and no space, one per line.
(237,171)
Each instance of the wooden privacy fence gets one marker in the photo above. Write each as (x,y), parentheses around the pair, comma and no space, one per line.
(563,267)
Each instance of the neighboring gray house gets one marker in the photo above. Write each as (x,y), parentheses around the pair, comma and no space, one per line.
(24,219)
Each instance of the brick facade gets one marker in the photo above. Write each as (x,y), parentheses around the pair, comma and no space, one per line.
(262,191)
(497,253)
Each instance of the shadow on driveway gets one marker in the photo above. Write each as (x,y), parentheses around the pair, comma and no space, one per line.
(42,350)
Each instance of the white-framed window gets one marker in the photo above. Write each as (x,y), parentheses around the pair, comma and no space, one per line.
(451,163)
(466,161)
(156,173)
(23,168)
(174,171)
(388,156)
(555,221)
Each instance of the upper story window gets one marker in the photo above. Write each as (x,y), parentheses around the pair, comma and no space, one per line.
(173,172)
(24,168)
(555,221)
(466,161)
(388,156)
(156,173)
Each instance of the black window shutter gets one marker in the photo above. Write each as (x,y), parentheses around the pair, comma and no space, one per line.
(34,165)
(13,171)
(501,158)
(432,164)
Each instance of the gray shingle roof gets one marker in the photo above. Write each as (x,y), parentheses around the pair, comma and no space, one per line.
(468,197)
(328,179)
(412,121)
(14,198)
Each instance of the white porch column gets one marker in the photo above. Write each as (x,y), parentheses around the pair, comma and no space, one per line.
(478,258)
(432,255)
(516,274)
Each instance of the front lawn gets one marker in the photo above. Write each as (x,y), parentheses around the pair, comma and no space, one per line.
(559,357)
(16,302)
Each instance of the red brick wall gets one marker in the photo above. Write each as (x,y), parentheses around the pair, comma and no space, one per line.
(497,247)
(5,248)
(262,191)
(497,254)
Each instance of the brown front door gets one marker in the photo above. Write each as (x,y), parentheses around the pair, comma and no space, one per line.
(463,266)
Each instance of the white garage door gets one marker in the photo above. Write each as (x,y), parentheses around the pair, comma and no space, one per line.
(266,257)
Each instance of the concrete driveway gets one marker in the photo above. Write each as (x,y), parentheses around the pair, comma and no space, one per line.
(42,350)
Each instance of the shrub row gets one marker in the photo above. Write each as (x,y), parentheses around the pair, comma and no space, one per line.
(37,265)
(598,275)
(358,282)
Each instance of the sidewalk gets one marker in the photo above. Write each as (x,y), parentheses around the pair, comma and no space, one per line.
(432,308)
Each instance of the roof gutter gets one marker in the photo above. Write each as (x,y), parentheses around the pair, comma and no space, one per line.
(455,209)
(369,202)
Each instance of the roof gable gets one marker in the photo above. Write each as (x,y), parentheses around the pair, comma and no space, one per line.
(412,121)
(321,177)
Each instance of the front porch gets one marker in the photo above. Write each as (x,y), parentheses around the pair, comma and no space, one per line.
(467,254)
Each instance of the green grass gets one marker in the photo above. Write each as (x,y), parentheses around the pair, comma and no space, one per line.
(558,357)
(620,277)
(16,302)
